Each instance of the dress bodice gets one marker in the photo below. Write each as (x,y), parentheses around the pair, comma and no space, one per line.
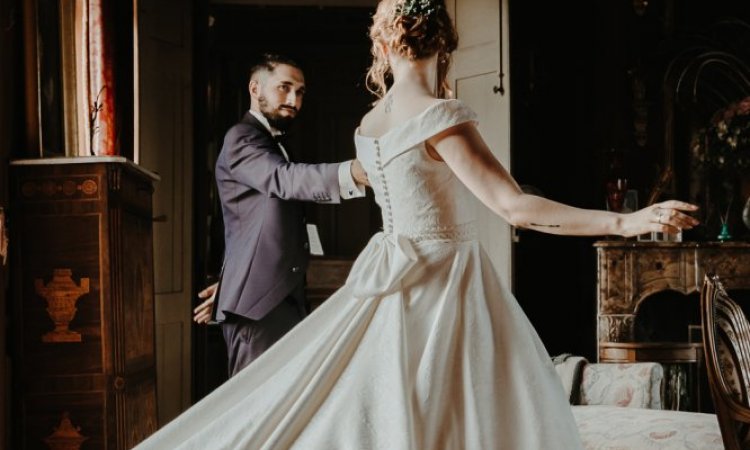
(420,198)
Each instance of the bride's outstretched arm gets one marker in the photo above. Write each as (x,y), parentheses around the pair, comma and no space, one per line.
(466,153)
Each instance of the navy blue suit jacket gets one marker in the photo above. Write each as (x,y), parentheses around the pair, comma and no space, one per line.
(261,194)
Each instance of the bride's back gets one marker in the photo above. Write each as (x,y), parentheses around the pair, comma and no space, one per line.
(418,195)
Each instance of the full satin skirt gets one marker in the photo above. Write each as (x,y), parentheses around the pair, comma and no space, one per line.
(423,348)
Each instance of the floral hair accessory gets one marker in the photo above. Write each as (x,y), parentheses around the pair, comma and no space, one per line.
(416,8)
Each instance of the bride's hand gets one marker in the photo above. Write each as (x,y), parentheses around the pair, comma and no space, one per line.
(666,217)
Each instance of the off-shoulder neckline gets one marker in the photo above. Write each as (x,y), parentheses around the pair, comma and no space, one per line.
(404,123)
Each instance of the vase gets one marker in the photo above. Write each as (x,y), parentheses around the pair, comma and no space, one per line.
(724,233)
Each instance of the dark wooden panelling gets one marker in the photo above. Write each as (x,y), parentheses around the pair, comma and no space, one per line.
(11,114)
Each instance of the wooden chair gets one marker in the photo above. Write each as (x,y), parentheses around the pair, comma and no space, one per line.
(726,343)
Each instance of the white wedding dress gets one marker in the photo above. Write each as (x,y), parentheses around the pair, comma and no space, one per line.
(423,348)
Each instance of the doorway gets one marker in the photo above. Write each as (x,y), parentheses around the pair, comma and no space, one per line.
(332,46)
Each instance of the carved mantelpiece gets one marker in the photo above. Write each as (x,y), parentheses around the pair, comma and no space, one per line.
(629,272)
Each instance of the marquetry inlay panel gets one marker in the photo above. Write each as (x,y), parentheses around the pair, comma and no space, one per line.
(66,435)
(61,294)
(61,188)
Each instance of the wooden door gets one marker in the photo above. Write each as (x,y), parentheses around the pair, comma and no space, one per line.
(164,128)
(478,64)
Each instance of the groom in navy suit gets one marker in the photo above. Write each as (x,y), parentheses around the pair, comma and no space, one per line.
(260,295)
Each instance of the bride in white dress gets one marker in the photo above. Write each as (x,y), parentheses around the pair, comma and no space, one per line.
(424,347)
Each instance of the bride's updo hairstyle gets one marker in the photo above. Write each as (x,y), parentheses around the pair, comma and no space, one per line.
(412,29)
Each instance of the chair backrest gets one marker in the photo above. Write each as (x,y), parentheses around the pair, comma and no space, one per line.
(726,344)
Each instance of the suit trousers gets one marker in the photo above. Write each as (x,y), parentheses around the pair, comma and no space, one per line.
(247,339)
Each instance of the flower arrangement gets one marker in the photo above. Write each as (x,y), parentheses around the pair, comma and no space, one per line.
(724,146)
(709,68)
(721,152)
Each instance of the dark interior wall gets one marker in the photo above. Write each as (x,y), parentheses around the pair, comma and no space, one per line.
(553,113)
(122,23)
(574,73)
(10,122)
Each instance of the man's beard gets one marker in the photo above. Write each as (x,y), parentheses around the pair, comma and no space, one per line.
(274,117)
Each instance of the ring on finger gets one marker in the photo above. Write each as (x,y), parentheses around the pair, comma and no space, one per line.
(659,213)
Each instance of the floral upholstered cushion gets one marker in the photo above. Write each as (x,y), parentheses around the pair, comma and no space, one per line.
(616,428)
(636,385)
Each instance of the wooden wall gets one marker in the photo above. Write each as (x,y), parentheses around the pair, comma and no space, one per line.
(10,122)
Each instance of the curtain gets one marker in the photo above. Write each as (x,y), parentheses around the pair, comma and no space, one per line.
(98,133)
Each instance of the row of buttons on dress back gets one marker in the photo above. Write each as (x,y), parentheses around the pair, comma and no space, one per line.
(388,226)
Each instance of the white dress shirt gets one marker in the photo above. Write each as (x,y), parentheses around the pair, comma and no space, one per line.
(348,188)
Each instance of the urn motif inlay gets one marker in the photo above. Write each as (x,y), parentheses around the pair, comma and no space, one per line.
(62,294)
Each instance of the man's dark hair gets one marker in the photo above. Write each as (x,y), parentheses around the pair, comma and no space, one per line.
(269,62)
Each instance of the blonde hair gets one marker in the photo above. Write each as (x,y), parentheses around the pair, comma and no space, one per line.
(411,35)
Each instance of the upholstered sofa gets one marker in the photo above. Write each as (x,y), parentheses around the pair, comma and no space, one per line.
(618,407)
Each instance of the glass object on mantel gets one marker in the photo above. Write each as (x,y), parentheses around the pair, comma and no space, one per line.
(616,190)
(658,236)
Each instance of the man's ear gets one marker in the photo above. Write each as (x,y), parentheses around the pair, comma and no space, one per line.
(253,87)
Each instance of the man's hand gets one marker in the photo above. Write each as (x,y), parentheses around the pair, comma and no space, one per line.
(202,313)
(359,174)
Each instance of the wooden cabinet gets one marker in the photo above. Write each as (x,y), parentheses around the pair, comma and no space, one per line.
(325,275)
(83,304)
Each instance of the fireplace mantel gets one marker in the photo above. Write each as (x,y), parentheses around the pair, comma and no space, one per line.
(629,272)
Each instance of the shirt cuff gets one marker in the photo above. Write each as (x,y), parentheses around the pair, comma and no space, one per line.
(347,186)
